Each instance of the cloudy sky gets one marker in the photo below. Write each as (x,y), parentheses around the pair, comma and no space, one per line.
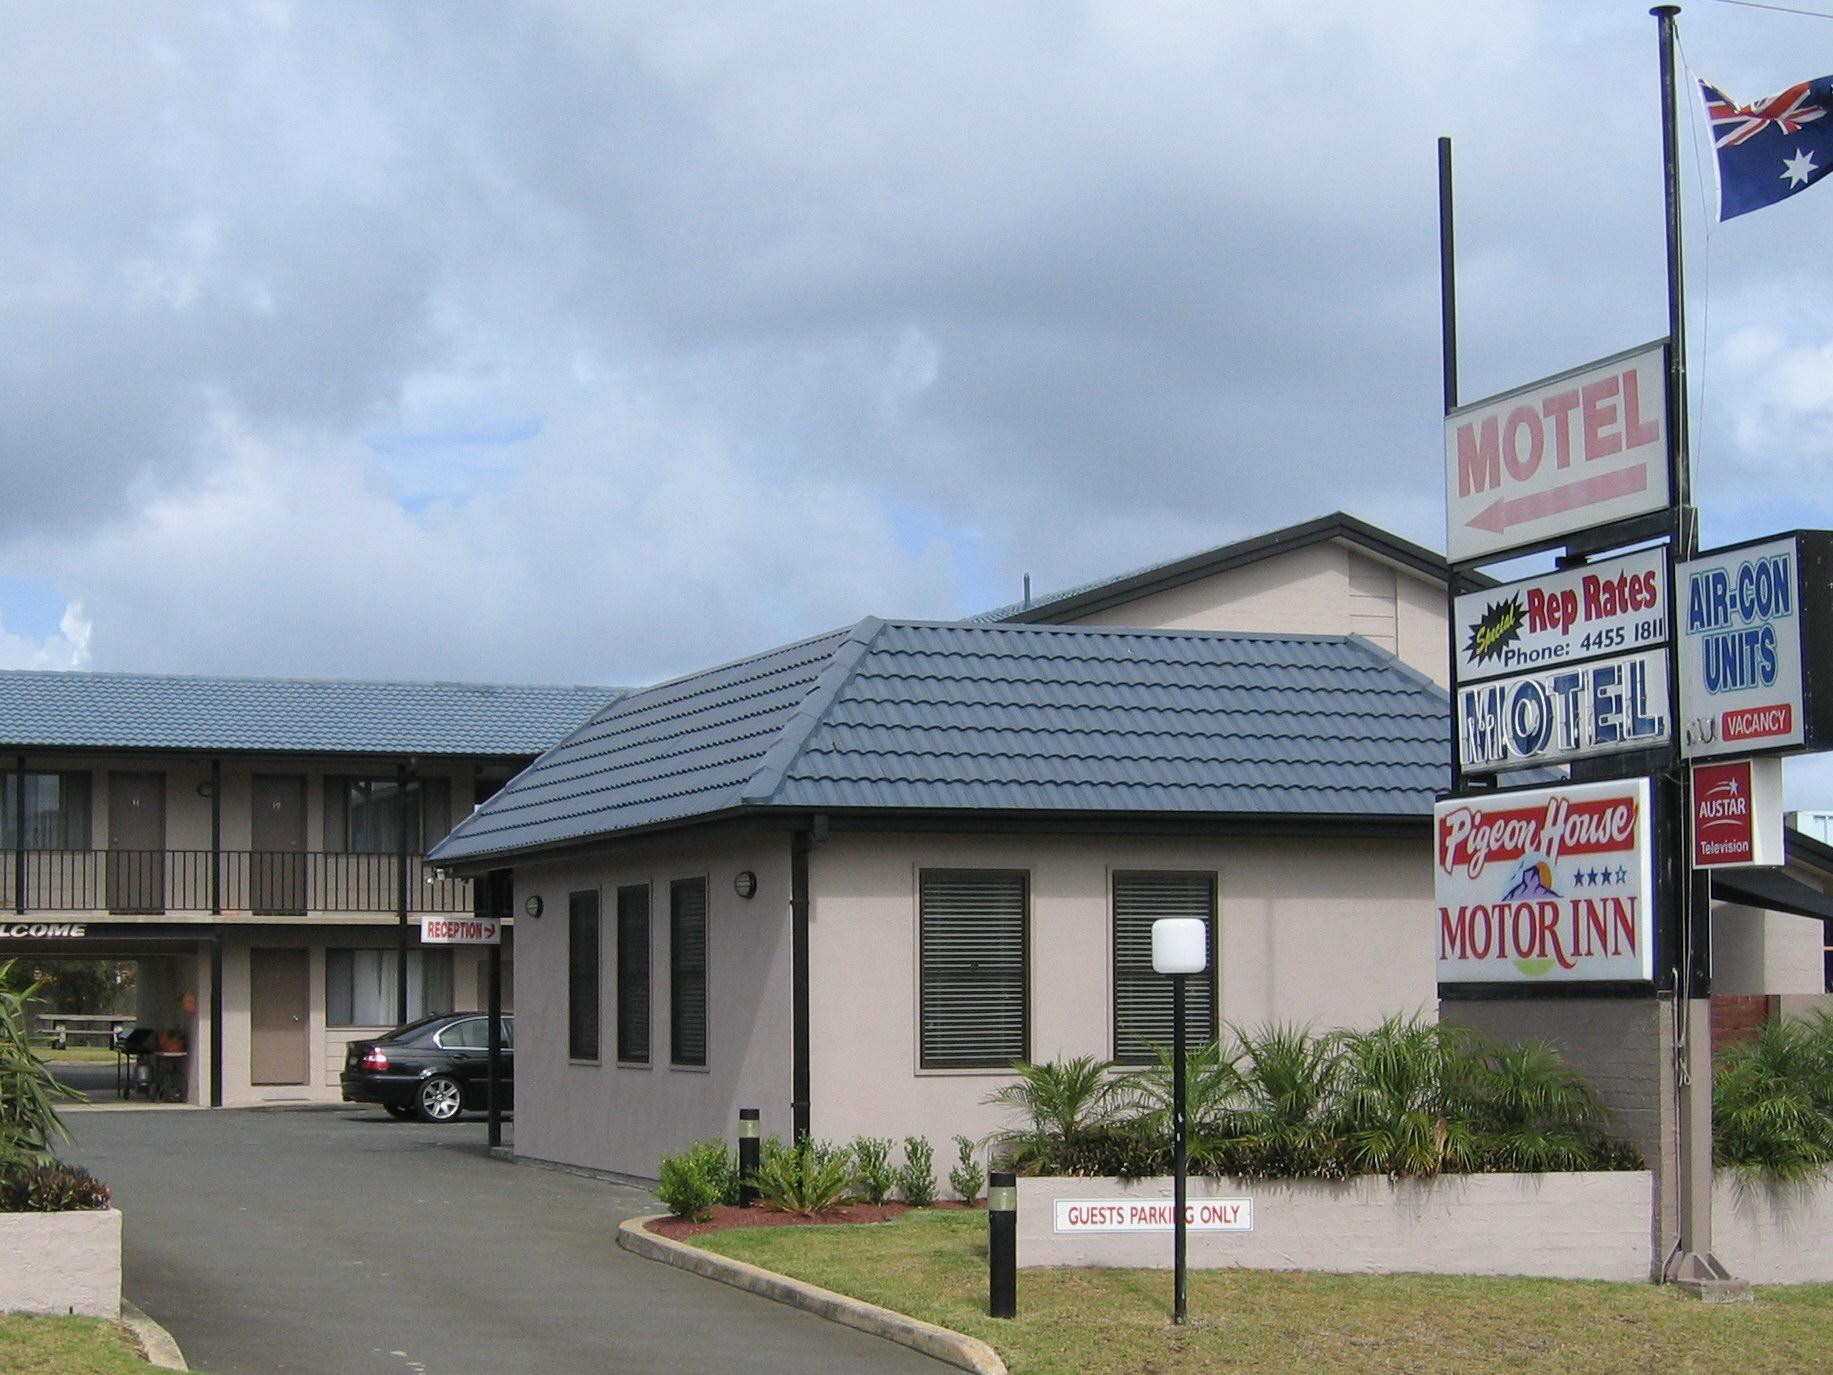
(596,342)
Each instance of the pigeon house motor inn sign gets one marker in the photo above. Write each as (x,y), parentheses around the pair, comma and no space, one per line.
(1547,885)
(1586,448)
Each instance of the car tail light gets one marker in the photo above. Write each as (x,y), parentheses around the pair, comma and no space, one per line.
(373,1058)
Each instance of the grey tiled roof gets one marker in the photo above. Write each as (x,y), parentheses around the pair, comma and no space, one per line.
(920,716)
(144,711)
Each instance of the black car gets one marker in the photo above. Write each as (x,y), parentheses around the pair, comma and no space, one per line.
(431,1069)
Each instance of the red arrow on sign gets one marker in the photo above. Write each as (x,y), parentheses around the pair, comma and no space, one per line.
(1504,512)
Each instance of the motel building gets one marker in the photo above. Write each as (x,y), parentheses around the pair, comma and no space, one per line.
(850,880)
(255,848)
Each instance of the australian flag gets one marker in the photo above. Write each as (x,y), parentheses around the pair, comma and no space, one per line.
(1770,149)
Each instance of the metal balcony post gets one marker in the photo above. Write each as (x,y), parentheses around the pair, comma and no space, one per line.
(216,837)
(19,836)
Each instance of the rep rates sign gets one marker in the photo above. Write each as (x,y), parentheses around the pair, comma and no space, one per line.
(1525,469)
(1549,885)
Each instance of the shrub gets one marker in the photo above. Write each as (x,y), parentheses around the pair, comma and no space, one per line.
(806,1178)
(1772,1100)
(917,1179)
(872,1168)
(1407,1098)
(967,1178)
(50,1187)
(694,1181)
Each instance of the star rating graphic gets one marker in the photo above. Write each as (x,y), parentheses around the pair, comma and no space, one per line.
(1797,171)
(1597,878)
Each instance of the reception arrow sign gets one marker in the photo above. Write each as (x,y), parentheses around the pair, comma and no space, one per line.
(1532,466)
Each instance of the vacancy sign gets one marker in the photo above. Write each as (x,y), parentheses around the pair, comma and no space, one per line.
(1548,885)
(1737,813)
(461,931)
(1525,469)
(1074,1215)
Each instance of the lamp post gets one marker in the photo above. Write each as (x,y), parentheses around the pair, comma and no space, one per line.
(1180,948)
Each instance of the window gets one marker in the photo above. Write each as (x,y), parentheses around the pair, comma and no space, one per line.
(364,816)
(360,986)
(470,1034)
(633,974)
(972,941)
(582,976)
(56,811)
(687,972)
(1142,998)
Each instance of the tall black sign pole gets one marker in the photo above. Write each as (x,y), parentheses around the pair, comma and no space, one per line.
(1694,1266)
(1447,307)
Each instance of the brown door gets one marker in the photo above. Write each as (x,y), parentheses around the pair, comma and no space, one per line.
(277,1017)
(136,842)
(277,868)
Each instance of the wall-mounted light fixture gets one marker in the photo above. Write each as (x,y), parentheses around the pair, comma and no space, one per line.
(745,883)
(533,905)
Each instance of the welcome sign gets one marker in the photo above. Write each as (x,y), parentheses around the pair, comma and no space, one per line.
(1546,885)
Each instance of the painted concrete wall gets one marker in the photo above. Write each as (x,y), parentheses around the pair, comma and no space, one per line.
(1774,1234)
(1580,1226)
(609,1116)
(1322,589)
(61,1263)
(1624,1048)
(1308,931)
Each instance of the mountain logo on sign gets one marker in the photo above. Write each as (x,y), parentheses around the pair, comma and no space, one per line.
(1495,630)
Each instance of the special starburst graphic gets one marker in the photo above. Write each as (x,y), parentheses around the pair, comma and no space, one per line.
(1498,628)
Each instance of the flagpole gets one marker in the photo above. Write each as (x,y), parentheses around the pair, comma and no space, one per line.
(1692,1266)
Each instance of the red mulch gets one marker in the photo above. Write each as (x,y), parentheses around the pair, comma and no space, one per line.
(679,1228)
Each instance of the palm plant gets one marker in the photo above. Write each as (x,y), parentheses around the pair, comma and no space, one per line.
(1214,1092)
(1285,1125)
(1060,1102)
(1532,1111)
(1405,1106)
(29,1092)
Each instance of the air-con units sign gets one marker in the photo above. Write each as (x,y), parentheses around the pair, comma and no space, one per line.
(1756,621)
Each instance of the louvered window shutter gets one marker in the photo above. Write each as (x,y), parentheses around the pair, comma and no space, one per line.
(687,966)
(1142,997)
(973,958)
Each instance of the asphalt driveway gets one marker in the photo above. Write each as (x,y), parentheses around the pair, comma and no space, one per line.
(343,1243)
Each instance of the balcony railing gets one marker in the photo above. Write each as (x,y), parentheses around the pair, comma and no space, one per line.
(256,881)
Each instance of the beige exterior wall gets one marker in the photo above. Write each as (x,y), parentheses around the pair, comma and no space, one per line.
(609,1116)
(1330,933)
(1755,951)
(324,1042)
(1322,589)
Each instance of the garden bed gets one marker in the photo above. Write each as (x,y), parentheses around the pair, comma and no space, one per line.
(725,1217)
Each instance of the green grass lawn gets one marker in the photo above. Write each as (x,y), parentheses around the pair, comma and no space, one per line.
(77,1055)
(1104,1322)
(67,1346)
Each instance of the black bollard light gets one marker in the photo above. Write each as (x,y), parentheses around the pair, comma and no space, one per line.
(1180,948)
(747,1156)
(1002,1244)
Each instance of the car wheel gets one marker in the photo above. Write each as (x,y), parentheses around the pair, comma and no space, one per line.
(398,1112)
(439,1099)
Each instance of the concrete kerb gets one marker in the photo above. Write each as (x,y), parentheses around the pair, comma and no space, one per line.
(967,1353)
(155,1341)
